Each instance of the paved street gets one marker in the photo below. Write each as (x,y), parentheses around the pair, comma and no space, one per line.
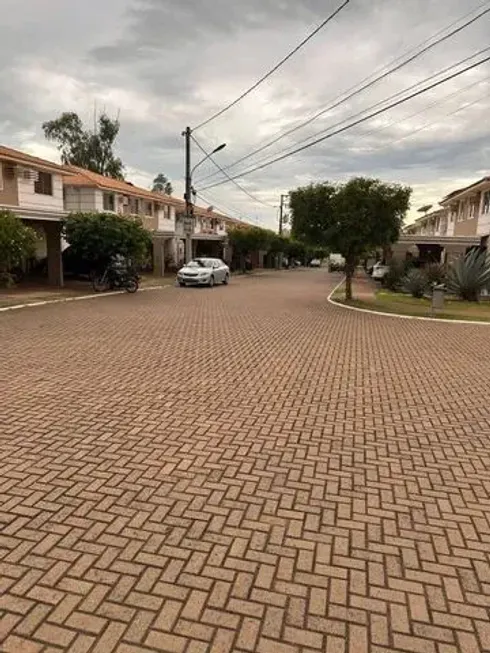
(246,469)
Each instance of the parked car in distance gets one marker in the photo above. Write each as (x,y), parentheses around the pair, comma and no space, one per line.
(380,270)
(315,263)
(204,272)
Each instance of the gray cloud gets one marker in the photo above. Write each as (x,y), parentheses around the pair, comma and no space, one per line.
(164,64)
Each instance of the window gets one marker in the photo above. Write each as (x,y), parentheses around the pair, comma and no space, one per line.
(44,184)
(109,202)
(149,208)
(486,202)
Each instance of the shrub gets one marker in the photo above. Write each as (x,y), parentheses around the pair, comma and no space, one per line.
(393,279)
(416,283)
(17,243)
(436,274)
(96,237)
(469,275)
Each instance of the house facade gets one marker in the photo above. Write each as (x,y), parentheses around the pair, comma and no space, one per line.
(462,222)
(468,209)
(86,191)
(42,193)
(32,189)
(161,214)
(464,213)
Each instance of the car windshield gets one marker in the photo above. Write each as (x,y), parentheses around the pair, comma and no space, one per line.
(198,263)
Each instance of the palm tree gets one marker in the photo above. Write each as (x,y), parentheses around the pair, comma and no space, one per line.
(161,184)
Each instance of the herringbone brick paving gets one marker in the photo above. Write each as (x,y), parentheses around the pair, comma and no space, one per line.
(248,469)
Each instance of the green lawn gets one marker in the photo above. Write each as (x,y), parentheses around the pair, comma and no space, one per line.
(390,302)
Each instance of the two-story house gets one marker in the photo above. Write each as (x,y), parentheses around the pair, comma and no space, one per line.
(32,188)
(161,214)
(468,209)
(88,191)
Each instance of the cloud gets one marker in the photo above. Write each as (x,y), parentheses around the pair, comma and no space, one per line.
(163,64)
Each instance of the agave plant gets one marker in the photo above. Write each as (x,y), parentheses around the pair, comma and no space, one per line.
(393,278)
(469,275)
(436,273)
(416,282)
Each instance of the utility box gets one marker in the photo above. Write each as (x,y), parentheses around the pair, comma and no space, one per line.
(438,296)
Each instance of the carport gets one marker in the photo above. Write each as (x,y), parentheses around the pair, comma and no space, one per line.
(433,249)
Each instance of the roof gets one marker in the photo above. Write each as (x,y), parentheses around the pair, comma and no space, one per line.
(87,178)
(15,156)
(461,191)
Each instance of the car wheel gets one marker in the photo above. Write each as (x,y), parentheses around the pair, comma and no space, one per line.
(211,281)
(181,284)
(226,280)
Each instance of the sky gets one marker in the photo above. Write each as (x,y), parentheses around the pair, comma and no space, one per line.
(162,65)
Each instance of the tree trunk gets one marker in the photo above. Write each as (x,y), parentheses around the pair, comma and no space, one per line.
(350,267)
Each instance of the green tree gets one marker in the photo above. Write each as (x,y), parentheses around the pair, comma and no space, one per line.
(246,240)
(17,243)
(92,150)
(161,184)
(351,219)
(96,237)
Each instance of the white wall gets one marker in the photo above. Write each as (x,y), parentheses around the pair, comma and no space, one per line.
(82,199)
(166,219)
(483,224)
(30,200)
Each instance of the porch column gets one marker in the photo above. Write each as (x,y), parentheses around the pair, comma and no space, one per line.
(53,247)
(158,257)
(174,251)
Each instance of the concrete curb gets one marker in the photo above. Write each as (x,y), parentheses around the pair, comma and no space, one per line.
(82,298)
(397,315)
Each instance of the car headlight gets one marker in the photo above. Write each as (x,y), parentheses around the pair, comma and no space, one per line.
(204,274)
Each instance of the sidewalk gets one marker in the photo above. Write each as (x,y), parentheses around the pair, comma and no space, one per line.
(363,287)
(31,293)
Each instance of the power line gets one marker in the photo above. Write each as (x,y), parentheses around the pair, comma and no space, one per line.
(225,208)
(275,68)
(430,124)
(373,106)
(438,102)
(341,99)
(355,123)
(244,190)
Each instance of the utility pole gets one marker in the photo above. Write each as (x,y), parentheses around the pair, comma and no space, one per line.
(189,206)
(281,214)
(189,217)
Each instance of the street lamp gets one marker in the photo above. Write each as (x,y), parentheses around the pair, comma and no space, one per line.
(217,149)
(188,225)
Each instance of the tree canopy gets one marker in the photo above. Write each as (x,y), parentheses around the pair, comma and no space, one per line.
(17,243)
(351,219)
(161,184)
(96,237)
(92,150)
(246,240)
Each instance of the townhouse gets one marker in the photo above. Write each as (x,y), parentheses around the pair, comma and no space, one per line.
(461,222)
(464,212)
(32,188)
(468,210)
(42,193)
(161,214)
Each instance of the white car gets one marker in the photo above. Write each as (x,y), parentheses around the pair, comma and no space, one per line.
(380,270)
(204,272)
(315,263)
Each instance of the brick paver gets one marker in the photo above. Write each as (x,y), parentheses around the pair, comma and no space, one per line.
(247,469)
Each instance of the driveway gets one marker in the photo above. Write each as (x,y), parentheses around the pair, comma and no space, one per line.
(242,469)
